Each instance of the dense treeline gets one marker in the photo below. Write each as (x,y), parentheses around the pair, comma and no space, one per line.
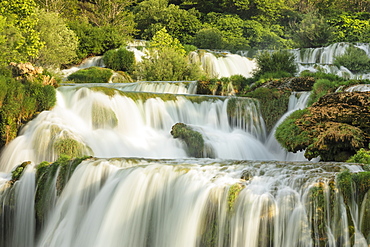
(52,33)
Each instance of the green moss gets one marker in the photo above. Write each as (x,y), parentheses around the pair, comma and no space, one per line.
(233,194)
(91,75)
(18,171)
(290,135)
(193,139)
(69,146)
(103,117)
(50,182)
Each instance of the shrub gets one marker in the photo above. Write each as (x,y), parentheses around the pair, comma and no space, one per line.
(168,65)
(362,156)
(277,61)
(119,60)
(209,38)
(91,75)
(354,59)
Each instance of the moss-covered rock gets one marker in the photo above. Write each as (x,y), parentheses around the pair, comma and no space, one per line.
(51,179)
(103,117)
(18,171)
(193,139)
(334,128)
(91,75)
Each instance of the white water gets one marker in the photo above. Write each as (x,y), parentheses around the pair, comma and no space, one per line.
(185,203)
(119,126)
(224,65)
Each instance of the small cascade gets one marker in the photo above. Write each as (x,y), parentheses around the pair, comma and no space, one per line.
(297,101)
(218,65)
(105,122)
(202,203)
(322,58)
(17,217)
(358,88)
(87,63)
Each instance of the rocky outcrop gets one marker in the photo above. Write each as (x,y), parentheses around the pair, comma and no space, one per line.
(296,84)
(28,72)
(334,128)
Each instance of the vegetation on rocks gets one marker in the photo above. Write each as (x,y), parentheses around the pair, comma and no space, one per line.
(333,128)
(194,140)
(91,75)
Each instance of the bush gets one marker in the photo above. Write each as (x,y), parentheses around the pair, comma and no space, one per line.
(119,60)
(362,156)
(91,75)
(168,65)
(209,38)
(278,61)
(354,59)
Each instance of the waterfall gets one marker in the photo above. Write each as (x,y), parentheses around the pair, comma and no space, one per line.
(192,202)
(134,124)
(322,59)
(137,185)
(218,65)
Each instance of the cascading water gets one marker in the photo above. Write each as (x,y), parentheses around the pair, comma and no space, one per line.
(142,188)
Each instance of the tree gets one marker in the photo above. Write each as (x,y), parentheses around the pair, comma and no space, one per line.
(22,16)
(166,61)
(312,31)
(232,28)
(152,15)
(209,38)
(60,42)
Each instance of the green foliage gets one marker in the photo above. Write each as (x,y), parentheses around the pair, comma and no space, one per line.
(95,40)
(276,61)
(355,59)
(265,36)
(353,185)
(232,29)
(239,83)
(22,100)
(21,14)
(233,194)
(290,135)
(312,31)
(119,60)
(193,139)
(167,65)
(91,75)
(209,38)
(18,171)
(350,28)
(320,88)
(60,43)
(153,15)
(362,156)
(163,41)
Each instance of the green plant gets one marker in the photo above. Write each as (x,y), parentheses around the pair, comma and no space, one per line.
(209,38)
(354,59)
(91,75)
(277,61)
(119,60)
